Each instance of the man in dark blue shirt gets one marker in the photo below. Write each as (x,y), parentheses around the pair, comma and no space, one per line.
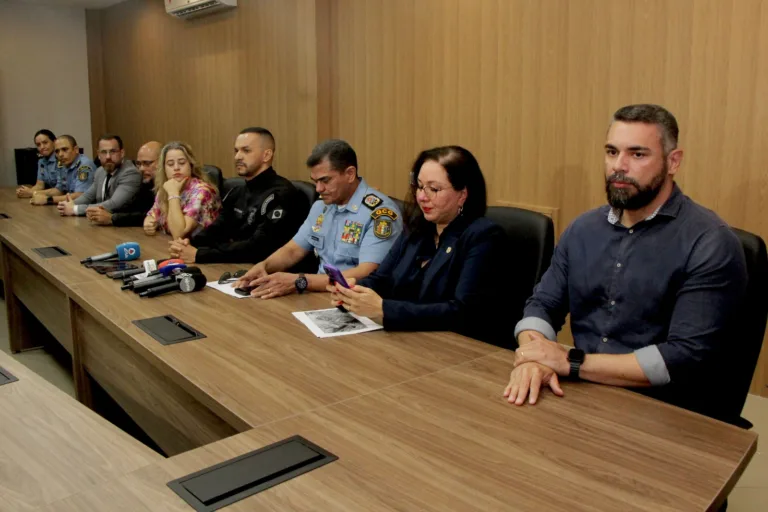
(651,280)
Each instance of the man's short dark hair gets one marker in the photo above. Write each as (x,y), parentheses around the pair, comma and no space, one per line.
(70,138)
(47,133)
(263,132)
(112,136)
(338,152)
(652,114)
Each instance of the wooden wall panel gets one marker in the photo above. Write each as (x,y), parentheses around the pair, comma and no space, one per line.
(204,80)
(529,87)
(93,26)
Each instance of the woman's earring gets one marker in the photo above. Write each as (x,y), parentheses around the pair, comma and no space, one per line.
(461,209)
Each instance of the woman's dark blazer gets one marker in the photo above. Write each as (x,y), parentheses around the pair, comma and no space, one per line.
(462,287)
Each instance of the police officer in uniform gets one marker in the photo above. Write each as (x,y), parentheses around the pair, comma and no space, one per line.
(351,227)
(75,173)
(256,218)
(47,173)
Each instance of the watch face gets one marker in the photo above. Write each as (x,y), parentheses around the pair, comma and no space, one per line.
(301,283)
(576,355)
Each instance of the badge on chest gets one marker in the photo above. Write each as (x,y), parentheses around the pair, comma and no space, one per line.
(352,233)
(318,223)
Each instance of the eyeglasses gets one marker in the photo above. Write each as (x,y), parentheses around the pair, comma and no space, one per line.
(429,190)
(104,152)
(145,163)
(228,277)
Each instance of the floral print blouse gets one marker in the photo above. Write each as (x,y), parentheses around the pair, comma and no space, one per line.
(199,201)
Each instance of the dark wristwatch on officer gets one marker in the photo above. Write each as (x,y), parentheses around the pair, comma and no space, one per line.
(301,283)
(575,359)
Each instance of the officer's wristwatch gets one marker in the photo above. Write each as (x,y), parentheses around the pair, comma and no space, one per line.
(575,358)
(301,284)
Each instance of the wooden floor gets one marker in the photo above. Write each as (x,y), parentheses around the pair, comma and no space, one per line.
(417,419)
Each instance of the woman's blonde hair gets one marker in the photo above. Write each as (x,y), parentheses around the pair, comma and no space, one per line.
(160,178)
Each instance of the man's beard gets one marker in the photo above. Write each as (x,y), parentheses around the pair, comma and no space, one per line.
(245,171)
(625,199)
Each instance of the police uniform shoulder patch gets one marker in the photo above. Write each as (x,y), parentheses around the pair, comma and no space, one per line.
(82,172)
(382,222)
(384,212)
(266,203)
(372,201)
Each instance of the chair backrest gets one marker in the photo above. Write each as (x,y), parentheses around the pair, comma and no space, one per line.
(531,243)
(216,176)
(228,185)
(308,189)
(749,327)
(400,204)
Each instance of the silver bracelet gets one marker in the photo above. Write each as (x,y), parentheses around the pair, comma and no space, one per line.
(175,197)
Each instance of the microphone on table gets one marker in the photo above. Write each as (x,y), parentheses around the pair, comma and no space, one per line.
(163,264)
(123,252)
(185,283)
(143,284)
(147,267)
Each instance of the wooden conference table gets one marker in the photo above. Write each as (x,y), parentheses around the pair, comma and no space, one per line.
(417,419)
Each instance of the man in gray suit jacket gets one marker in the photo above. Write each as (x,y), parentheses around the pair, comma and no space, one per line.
(115,185)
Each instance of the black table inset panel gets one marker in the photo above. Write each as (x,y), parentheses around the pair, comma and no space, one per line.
(51,252)
(6,377)
(236,479)
(168,329)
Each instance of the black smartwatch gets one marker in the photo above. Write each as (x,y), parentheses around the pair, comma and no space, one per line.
(576,358)
(50,200)
(301,284)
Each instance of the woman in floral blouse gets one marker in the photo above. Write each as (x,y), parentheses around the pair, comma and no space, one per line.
(186,201)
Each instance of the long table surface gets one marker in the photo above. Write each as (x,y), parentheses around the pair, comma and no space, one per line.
(417,419)
(52,446)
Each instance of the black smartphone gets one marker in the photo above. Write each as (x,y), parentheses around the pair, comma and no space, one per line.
(112,266)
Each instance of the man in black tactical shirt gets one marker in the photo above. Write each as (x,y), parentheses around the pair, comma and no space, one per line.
(256,218)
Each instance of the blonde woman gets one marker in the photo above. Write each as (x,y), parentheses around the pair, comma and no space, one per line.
(185,199)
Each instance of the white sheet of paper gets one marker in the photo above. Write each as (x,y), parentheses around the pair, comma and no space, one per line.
(326,323)
(226,288)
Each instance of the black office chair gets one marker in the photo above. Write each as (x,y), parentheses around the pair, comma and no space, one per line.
(400,204)
(310,263)
(216,176)
(229,184)
(750,325)
(531,241)
(308,189)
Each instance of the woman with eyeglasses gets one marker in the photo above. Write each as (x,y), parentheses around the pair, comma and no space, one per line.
(186,200)
(446,272)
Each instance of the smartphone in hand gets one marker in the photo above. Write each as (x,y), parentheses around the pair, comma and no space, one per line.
(335,276)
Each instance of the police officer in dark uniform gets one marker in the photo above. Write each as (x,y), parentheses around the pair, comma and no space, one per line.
(257,217)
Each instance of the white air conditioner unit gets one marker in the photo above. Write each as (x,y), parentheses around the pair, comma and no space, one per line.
(193,8)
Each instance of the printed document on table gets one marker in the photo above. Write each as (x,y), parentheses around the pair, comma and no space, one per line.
(326,323)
